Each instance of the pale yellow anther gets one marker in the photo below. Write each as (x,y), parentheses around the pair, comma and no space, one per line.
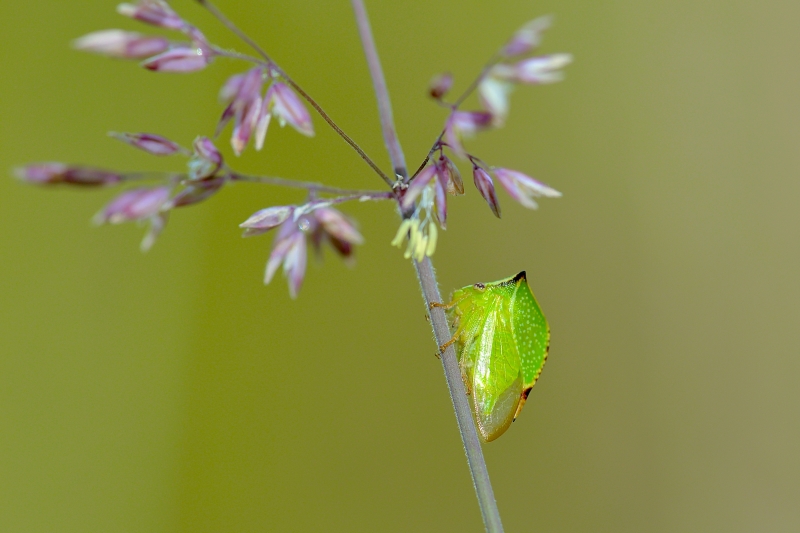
(433,235)
(402,231)
(422,245)
(412,240)
(420,230)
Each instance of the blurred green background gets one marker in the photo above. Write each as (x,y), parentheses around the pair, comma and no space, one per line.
(173,392)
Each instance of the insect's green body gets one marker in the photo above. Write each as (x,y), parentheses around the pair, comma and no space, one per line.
(501,339)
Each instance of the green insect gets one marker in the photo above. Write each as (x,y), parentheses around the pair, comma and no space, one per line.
(501,339)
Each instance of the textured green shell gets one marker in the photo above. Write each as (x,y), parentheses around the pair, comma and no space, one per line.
(501,338)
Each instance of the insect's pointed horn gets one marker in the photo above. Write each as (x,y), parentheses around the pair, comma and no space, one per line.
(521,276)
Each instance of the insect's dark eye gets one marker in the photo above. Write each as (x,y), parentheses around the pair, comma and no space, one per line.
(479,286)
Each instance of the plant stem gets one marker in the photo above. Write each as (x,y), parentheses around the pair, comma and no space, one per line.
(452,373)
(430,291)
(308,185)
(274,66)
(379,84)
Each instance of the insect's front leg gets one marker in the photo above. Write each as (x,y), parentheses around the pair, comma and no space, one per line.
(444,306)
(456,336)
(449,343)
(455,324)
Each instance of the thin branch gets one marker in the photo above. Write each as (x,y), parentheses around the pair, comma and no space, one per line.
(372,197)
(275,67)
(430,291)
(233,28)
(469,436)
(427,157)
(472,86)
(381,92)
(307,185)
(233,54)
(337,129)
(454,107)
(146,175)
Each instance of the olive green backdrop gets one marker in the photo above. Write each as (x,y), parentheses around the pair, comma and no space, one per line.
(173,392)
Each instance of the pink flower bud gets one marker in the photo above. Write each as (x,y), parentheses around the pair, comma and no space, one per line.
(485,186)
(464,124)
(493,94)
(199,40)
(155,12)
(53,173)
(528,37)
(288,108)
(440,85)
(469,122)
(149,142)
(542,69)
(450,176)
(440,194)
(157,224)
(42,173)
(195,192)
(294,264)
(262,123)
(337,225)
(135,204)
(288,248)
(231,88)
(204,147)
(326,224)
(523,188)
(266,219)
(245,124)
(91,176)
(243,91)
(182,58)
(122,44)
(248,88)
(206,161)
(343,248)
(226,117)
(418,185)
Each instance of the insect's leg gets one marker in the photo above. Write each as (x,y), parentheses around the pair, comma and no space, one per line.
(454,338)
(455,324)
(467,388)
(449,343)
(444,305)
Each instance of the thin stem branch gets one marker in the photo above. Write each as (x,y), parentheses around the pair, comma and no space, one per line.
(381,92)
(375,196)
(472,86)
(469,436)
(146,175)
(219,15)
(389,181)
(454,107)
(430,291)
(233,54)
(307,185)
(427,157)
(274,66)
